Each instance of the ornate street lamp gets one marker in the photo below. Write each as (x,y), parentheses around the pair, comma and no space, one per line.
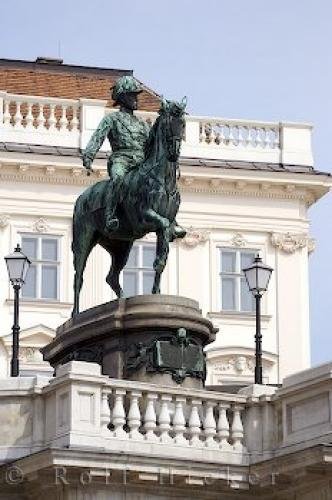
(258,276)
(17,266)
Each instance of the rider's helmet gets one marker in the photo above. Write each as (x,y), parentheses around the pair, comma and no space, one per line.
(124,85)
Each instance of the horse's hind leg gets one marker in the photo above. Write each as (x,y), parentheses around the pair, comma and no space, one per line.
(119,251)
(83,243)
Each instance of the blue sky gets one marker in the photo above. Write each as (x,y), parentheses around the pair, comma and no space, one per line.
(256,60)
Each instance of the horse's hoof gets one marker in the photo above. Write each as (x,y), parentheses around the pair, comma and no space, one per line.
(178,232)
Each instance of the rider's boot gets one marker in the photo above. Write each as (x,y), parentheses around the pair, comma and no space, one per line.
(111,221)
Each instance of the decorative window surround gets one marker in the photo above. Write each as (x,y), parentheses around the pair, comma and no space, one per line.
(290,242)
(195,237)
(4,220)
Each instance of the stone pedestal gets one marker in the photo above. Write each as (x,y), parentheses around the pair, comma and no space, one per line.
(150,338)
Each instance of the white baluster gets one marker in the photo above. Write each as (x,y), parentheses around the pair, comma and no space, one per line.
(52,118)
(233,135)
(253,132)
(195,423)
(105,413)
(18,115)
(209,425)
(165,419)
(275,142)
(6,113)
(179,421)
(202,135)
(150,418)
(119,416)
(237,428)
(223,427)
(242,135)
(134,416)
(213,135)
(74,121)
(259,137)
(29,117)
(40,120)
(63,118)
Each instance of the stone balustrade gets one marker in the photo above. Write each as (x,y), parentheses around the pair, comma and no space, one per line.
(81,407)
(191,418)
(82,422)
(70,123)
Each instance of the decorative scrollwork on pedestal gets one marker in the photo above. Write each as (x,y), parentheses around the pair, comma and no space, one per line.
(177,354)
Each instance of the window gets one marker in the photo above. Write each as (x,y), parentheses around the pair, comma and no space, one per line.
(138,275)
(42,280)
(234,291)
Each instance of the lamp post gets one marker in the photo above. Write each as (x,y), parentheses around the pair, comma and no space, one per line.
(258,276)
(17,266)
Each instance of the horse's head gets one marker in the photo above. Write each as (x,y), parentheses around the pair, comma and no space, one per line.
(173,123)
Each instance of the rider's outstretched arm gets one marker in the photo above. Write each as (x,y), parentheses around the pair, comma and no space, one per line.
(96,141)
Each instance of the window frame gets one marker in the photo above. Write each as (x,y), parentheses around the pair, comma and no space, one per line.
(140,269)
(39,263)
(237,276)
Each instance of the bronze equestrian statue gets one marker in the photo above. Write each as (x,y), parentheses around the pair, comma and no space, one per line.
(141,195)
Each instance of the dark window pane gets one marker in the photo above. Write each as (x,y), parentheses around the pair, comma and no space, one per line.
(132,260)
(29,247)
(30,285)
(49,282)
(247,299)
(228,299)
(147,282)
(247,259)
(149,254)
(49,249)
(129,283)
(228,262)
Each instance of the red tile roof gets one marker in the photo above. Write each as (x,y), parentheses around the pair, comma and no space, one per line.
(55,79)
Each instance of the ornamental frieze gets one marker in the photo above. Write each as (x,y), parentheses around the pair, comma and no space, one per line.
(290,242)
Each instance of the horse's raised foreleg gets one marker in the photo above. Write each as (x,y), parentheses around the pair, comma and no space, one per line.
(83,243)
(161,222)
(162,250)
(119,251)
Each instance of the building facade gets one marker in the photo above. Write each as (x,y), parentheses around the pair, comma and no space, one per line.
(246,187)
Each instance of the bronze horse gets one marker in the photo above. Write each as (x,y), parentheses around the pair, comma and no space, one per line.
(149,203)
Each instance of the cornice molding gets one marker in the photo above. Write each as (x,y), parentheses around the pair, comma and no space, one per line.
(49,174)
(290,242)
